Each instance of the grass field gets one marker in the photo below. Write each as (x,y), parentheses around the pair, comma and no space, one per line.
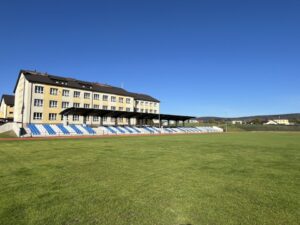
(235,178)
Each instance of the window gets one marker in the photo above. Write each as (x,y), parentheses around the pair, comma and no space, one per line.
(142,103)
(127,100)
(146,103)
(121,108)
(96,107)
(113,108)
(155,111)
(65,105)
(150,103)
(120,120)
(112,119)
(104,119)
(39,89)
(87,95)
(105,107)
(96,96)
(105,98)
(150,110)
(53,104)
(121,100)
(66,93)
(146,110)
(52,116)
(75,117)
(37,116)
(38,102)
(155,104)
(76,94)
(113,99)
(128,109)
(86,106)
(142,110)
(95,118)
(76,105)
(53,91)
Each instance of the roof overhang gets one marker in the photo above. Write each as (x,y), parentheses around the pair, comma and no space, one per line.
(124,114)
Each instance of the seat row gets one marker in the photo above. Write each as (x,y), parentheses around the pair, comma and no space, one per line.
(59,130)
(155,130)
(73,129)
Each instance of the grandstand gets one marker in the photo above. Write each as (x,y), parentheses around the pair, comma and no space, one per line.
(50,105)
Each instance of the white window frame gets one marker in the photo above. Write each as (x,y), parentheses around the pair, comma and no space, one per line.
(113,99)
(76,94)
(53,91)
(98,96)
(105,97)
(52,104)
(38,102)
(39,89)
(65,93)
(86,95)
(37,116)
(52,116)
(65,105)
(76,105)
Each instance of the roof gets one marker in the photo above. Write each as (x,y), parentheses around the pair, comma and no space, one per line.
(8,99)
(125,114)
(44,78)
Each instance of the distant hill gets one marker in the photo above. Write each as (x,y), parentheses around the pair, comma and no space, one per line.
(291,116)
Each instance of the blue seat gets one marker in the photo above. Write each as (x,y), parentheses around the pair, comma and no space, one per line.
(49,129)
(156,129)
(122,131)
(89,129)
(135,129)
(63,129)
(148,129)
(126,128)
(73,126)
(34,130)
(111,130)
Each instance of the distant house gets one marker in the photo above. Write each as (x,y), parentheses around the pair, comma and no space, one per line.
(193,121)
(278,122)
(7,107)
(236,122)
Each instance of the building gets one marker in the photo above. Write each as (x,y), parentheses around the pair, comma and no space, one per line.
(7,108)
(278,122)
(236,122)
(50,105)
(41,97)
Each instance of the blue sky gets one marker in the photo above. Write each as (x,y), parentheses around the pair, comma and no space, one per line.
(216,58)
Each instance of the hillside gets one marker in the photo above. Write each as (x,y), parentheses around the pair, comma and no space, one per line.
(291,116)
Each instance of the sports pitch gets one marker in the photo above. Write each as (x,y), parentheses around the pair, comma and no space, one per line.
(235,178)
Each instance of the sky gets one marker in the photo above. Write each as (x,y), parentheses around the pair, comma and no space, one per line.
(201,58)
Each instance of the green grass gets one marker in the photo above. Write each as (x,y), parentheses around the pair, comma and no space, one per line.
(235,178)
(9,134)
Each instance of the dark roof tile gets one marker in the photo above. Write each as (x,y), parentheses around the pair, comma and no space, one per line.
(44,78)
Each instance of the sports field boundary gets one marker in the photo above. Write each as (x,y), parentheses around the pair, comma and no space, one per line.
(97,136)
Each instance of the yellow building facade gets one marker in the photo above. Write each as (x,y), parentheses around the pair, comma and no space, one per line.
(40,98)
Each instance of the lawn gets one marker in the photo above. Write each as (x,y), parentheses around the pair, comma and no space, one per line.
(235,178)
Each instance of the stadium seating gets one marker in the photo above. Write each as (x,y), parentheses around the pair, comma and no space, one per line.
(75,128)
(36,130)
(63,129)
(49,129)
(89,129)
